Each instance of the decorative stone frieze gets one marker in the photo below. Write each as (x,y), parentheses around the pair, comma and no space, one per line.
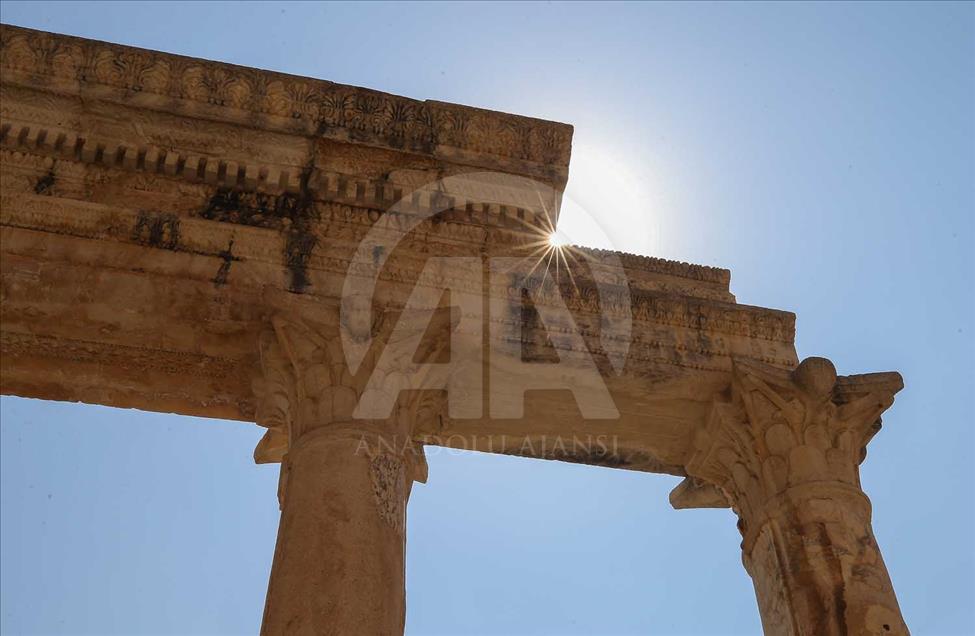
(224,91)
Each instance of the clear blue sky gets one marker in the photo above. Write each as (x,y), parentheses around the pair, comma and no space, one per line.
(824,153)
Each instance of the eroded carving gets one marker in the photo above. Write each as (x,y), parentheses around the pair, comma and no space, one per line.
(387,471)
(306,384)
(784,452)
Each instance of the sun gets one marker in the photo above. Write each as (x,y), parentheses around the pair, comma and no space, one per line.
(556,240)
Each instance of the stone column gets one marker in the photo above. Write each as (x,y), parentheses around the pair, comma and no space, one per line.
(783,451)
(339,559)
(339,563)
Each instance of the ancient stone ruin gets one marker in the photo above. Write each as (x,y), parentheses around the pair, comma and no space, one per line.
(364,275)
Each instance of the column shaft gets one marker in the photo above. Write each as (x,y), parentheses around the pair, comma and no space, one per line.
(816,566)
(339,560)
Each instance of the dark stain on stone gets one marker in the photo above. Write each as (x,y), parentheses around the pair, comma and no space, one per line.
(256,209)
(224,271)
(536,345)
(290,213)
(297,251)
(301,239)
(157,229)
(161,230)
(45,183)
(377,253)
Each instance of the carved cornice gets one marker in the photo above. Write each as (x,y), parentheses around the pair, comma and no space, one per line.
(681,269)
(150,79)
(269,187)
(236,180)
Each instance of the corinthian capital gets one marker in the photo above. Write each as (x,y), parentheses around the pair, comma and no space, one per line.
(306,385)
(783,449)
(777,429)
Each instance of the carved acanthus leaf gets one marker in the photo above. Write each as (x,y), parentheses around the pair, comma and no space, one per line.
(306,384)
(781,429)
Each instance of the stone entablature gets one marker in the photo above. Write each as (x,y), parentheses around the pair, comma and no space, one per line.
(266,197)
(177,235)
(134,188)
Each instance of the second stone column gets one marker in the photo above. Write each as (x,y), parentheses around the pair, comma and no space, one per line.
(339,562)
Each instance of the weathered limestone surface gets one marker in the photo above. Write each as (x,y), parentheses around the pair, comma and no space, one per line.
(339,562)
(145,212)
(176,234)
(782,450)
